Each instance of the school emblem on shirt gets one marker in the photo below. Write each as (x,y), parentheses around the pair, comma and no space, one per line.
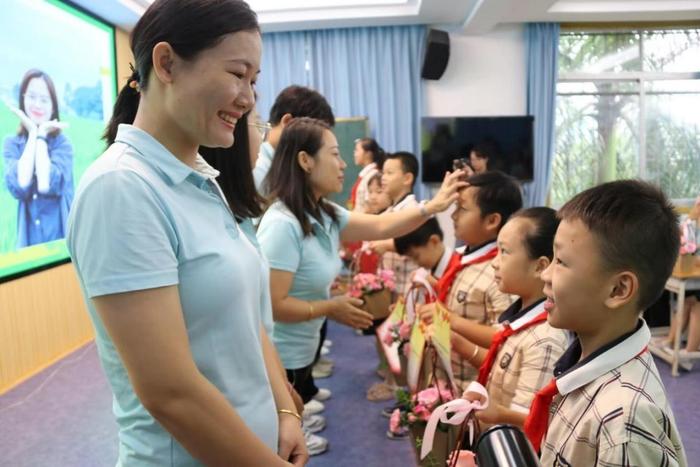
(505,360)
(461,296)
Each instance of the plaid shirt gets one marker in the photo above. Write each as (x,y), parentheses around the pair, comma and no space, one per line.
(401,265)
(612,409)
(474,295)
(525,361)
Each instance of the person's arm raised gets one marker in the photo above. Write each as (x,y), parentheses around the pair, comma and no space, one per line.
(148,330)
(394,224)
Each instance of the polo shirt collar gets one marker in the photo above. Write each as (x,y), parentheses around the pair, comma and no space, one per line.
(480,251)
(410,198)
(571,374)
(154,153)
(517,317)
(526,316)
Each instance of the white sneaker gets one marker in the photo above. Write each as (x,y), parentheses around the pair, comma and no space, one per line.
(314,423)
(328,343)
(325,351)
(313,407)
(323,394)
(325,361)
(315,444)
(320,372)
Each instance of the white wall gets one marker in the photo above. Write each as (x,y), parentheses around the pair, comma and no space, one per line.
(485,76)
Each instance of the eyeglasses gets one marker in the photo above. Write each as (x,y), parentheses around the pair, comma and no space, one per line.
(44,100)
(263,127)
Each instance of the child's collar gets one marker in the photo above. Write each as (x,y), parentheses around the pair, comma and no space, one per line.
(441,266)
(572,375)
(471,254)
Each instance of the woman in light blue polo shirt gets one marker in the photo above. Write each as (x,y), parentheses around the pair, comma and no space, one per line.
(172,275)
(300,234)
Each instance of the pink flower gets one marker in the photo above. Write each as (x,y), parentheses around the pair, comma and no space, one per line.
(422,412)
(395,421)
(388,339)
(427,397)
(411,418)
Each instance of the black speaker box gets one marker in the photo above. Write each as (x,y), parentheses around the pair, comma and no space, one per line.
(437,54)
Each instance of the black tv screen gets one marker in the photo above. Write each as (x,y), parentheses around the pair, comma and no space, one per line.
(507,139)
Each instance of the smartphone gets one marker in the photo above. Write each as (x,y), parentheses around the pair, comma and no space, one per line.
(463,164)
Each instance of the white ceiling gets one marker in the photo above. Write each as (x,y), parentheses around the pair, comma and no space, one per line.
(471,16)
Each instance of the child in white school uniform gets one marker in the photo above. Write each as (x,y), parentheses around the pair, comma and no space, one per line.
(522,354)
(613,251)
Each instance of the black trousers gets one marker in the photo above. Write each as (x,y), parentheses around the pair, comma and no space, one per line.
(303,382)
(302,379)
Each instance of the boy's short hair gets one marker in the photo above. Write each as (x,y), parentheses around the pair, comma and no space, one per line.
(498,193)
(300,101)
(636,228)
(487,149)
(409,163)
(418,237)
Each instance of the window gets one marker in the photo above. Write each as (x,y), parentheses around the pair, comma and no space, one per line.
(628,106)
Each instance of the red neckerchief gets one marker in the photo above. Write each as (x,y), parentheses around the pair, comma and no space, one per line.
(498,339)
(353,193)
(457,263)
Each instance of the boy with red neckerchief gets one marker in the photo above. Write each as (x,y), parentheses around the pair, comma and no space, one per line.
(468,288)
(613,251)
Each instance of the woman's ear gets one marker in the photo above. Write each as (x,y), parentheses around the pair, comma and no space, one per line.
(163,57)
(305,161)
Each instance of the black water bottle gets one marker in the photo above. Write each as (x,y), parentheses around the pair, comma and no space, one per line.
(505,446)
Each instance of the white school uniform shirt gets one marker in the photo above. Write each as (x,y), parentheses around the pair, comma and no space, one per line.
(612,409)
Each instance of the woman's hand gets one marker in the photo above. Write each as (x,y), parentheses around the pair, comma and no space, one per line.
(26,122)
(448,192)
(382,246)
(47,127)
(292,446)
(346,312)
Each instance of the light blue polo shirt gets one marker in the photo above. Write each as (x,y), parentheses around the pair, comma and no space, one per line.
(142,219)
(315,262)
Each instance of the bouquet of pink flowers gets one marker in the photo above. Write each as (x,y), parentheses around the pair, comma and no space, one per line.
(367,283)
(419,407)
(375,290)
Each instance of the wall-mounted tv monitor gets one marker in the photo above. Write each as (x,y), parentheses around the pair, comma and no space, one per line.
(508,140)
(58,65)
